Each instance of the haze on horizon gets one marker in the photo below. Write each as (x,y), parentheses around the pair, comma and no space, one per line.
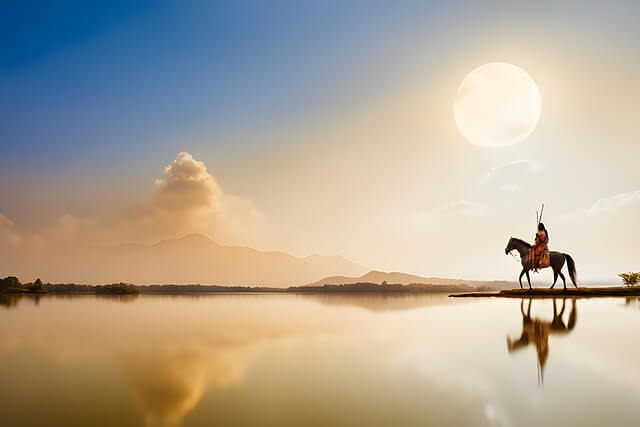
(317,128)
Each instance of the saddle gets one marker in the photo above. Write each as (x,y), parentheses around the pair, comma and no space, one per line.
(544,260)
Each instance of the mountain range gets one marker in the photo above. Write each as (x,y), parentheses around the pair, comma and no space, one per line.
(190,259)
(196,259)
(405,279)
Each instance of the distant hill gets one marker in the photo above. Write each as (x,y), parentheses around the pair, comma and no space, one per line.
(406,279)
(191,259)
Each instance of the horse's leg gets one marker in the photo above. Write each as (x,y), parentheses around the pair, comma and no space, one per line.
(528,279)
(520,278)
(564,282)
(555,278)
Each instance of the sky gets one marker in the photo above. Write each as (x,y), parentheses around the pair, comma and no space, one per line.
(319,127)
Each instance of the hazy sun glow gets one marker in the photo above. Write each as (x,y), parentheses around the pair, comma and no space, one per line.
(497,104)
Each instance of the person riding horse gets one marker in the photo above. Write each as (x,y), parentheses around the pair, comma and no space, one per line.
(542,241)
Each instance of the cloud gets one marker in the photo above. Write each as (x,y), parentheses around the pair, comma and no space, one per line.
(511,177)
(8,235)
(606,233)
(188,199)
(185,199)
(440,218)
(627,200)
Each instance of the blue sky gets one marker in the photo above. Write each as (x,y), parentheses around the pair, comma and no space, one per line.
(302,106)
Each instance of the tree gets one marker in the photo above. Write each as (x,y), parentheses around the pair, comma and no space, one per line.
(630,278)
(10,282)
(37,285)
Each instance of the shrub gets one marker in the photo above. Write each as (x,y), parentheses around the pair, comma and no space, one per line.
(630,279)
(10,282)
(117,289)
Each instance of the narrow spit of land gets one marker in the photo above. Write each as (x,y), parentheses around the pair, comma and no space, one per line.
(611,291)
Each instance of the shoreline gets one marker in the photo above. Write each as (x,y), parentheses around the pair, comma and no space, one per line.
(582,292)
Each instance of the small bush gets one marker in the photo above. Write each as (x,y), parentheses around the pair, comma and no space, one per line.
(630,279)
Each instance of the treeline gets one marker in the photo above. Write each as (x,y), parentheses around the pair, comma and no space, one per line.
(177,289)
(11,284)
(389,288)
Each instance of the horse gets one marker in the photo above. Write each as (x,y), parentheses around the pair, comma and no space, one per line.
(556,262)
(536,331)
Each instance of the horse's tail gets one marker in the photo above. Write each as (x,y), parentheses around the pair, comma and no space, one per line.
(571,265)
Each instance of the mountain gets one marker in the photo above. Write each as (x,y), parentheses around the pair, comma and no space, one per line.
(405,279)
(191,259)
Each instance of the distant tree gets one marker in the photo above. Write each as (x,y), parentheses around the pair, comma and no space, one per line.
(10,282)
(37,285)
(630,278)
(118,289)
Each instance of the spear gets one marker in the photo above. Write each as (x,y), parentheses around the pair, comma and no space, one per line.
(541,210)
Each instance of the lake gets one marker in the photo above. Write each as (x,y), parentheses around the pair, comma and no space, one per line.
(307,360)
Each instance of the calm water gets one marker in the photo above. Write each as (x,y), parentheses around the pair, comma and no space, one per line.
(317,360)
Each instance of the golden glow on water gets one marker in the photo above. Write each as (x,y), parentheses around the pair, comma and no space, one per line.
(316,360)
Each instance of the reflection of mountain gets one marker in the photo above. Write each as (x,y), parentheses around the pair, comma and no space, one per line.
(405,279)
(191,259)
(536,331)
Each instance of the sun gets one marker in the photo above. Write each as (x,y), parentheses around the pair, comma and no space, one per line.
(497,105)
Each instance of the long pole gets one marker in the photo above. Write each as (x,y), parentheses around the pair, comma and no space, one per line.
(541,210)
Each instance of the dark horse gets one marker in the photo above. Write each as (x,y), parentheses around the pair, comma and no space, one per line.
(556,261)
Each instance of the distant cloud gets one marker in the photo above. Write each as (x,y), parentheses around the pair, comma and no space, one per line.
(611,223)
(510,177)
(8,235)
(619,201)
(440,218)
(186,199)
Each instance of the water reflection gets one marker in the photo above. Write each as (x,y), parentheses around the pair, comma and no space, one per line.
(168,383)
(273,359)
(9,300)
(536,331)
(380,302)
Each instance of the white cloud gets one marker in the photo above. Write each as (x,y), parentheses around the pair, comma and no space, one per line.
(619,201)
(186,199)
(8,235)
(605,234)
(510,176)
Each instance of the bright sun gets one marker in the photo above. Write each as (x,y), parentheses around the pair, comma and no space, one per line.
(497,104)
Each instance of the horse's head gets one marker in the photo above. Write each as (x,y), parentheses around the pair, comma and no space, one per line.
(509,247)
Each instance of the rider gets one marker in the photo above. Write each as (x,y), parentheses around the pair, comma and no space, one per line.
(542,239)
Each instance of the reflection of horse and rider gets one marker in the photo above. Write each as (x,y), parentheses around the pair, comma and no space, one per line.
(538,256)
(536,331)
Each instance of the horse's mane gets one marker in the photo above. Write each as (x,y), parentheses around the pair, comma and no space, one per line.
(521,241)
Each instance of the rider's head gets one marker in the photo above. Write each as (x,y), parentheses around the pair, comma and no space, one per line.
(541,227)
